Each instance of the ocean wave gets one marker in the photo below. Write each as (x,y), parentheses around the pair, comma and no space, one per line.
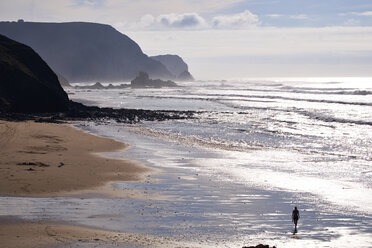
(327,118)
(195,140)
(312,115)
(235,145)
(355,92)
(324,91)
(248,98)
(311,91)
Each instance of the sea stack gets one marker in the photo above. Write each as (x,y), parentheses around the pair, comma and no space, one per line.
(143,81)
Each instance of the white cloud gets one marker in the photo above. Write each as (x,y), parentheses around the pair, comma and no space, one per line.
(240,20)
(187,20)
(274,15)
(366,13)
(145,22)
(352,22)
(299,17)
(90,3)
(166,21)
(193,21)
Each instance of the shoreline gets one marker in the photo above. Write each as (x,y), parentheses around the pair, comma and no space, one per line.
(106,214)
(45,159)
(53,160)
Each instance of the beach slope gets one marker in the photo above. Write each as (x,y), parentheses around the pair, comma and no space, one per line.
(44,159)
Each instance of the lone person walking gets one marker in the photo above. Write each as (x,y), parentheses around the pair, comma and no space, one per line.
(295,217)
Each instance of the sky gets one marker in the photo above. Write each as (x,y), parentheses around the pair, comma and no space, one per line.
(222,39)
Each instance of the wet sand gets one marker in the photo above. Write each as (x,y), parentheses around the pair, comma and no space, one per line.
(46,160)
(42,159)
(14,233)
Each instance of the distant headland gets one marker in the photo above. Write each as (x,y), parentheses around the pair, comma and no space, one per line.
(91,52)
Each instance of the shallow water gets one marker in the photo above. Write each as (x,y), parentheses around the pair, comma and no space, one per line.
(232,176)
(317,134)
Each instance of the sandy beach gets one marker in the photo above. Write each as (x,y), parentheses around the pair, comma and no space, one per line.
(14,233)
(40,159)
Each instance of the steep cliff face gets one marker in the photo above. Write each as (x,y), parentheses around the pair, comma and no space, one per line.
(176,66)
(85,52)
(27,84)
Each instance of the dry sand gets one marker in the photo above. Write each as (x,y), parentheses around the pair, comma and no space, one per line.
(43,159)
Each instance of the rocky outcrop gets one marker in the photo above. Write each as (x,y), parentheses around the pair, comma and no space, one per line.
(99,86)
(259,246)
(176,66)
(85,52)
(27,84)
(80,112)
(143,81)
(96,86)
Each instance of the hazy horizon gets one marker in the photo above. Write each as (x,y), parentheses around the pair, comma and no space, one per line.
(231,38)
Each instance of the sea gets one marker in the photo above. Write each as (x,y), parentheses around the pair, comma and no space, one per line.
(231,175)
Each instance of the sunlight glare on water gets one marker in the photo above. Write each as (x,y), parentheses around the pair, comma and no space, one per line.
(282,141)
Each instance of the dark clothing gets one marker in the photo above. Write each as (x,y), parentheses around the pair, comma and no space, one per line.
(295,216)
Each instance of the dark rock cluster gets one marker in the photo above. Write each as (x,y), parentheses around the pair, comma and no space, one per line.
(143,81)
(99,86)
(80,112)
(259,246)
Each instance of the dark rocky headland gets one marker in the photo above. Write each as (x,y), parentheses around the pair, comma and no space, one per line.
(30,90)
(27,84)
(176,66)
(91,52)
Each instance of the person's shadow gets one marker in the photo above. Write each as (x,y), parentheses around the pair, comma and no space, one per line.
(294,236)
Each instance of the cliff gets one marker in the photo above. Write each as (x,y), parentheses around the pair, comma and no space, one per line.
(176,66)
(85,52)
(27,84)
